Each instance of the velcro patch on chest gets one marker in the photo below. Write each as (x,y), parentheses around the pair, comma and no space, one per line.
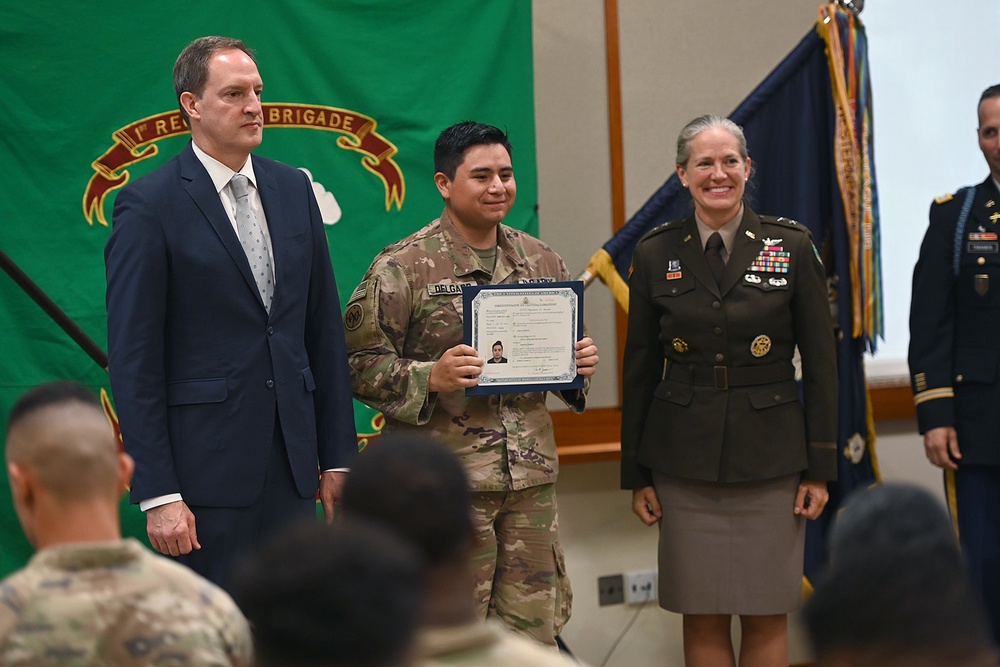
(446,288)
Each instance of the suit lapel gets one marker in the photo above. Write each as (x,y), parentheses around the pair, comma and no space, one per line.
(200,188)
(982,211)
(746,246)
(692,255)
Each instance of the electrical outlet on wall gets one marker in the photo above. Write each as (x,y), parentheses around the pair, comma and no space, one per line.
(640,587)
(610,590)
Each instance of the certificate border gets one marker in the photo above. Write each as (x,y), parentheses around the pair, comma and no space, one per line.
(469,293)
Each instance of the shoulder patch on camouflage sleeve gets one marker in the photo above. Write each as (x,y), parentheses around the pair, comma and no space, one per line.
(359,292)
(354,316)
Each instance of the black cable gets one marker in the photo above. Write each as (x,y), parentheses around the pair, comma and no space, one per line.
(628,626)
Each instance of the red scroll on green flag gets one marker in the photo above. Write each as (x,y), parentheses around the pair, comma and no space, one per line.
(355,93)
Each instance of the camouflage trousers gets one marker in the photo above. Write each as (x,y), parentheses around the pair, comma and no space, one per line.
(518,561)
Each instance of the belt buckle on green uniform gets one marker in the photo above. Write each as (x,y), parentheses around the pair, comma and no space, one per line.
(720,374)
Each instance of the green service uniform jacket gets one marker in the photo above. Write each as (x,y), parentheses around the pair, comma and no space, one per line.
(954,352)
(709,384)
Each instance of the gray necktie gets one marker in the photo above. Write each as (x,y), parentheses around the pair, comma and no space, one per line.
(252,239)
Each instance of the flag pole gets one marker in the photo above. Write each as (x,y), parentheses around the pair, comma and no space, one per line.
(43,300)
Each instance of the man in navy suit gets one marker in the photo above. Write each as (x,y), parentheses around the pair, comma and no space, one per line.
(231,386)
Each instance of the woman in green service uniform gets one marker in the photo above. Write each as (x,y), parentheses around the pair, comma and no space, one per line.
(718,447)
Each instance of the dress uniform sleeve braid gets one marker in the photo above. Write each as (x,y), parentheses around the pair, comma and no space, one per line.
(932,315)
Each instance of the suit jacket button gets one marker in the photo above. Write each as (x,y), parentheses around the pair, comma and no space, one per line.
(716,305)
(959,377)
(720,357)
(269,384)
(270,331)
(717,331)
(777,397)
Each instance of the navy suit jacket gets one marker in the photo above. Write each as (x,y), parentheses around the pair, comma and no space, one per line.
(199,369)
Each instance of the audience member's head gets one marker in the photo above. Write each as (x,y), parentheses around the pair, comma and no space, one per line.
(418,489)
(896,591)
(346,595)
(62,459)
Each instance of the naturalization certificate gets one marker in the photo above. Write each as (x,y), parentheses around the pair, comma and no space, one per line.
(526,333)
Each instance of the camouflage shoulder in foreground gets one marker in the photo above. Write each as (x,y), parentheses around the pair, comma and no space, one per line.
(117,604)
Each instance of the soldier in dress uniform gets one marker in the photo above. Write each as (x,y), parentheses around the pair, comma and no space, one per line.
(955,353)
(716,445)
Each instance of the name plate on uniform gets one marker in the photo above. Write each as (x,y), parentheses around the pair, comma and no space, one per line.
(526,333)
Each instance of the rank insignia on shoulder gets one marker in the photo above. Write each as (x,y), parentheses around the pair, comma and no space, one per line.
(990,204)
(943,199)
(680,345)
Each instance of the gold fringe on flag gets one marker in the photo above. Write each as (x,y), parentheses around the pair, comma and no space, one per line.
(602,266)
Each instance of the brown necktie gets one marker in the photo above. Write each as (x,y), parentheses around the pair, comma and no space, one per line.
(713,255)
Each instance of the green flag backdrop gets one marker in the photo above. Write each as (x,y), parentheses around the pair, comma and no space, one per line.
(355,91)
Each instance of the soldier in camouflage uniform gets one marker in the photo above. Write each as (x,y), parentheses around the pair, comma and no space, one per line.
(88,597)
(418,489)
(404,338)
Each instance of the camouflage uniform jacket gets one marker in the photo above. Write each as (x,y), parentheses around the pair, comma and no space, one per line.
(488,644)
(116,604)
(408,311)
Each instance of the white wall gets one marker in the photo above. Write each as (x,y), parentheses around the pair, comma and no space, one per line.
(574,170)
(930,61)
